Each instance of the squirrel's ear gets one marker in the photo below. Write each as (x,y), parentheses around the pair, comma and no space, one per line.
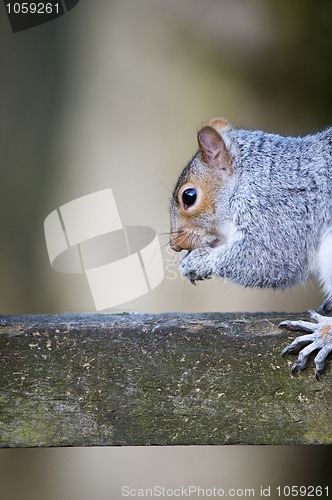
(212,148)
(219,123)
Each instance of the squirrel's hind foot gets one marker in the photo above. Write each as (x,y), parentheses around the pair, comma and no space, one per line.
(319,338)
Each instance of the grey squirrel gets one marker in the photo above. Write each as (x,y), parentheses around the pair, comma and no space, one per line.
(256,208)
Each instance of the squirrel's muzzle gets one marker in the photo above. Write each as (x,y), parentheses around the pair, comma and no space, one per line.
(183,240)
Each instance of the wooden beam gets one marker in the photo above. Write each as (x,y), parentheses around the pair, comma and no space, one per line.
(166,379)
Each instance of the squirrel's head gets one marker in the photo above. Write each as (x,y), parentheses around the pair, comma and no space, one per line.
(194,222)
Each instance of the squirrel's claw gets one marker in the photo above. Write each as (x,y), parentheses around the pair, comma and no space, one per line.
(194,267)
(320,339)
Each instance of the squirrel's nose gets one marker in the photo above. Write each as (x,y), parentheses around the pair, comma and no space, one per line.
(175,242)
(182,241)
(175,247)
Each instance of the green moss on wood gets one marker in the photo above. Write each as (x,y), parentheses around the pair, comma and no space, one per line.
(155,379)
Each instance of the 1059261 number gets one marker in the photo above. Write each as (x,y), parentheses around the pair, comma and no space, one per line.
(32,8)
(302,491)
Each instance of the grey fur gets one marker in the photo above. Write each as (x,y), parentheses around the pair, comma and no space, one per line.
(280,199)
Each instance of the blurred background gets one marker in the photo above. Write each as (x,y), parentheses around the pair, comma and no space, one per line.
(111,95)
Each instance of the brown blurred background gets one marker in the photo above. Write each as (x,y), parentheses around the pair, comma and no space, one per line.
(111,95)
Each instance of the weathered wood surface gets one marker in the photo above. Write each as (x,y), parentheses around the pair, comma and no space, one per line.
(168,379)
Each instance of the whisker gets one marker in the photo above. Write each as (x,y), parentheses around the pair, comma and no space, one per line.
(168,233)
(202,244)
(158,176)
(164,246)
(185,240)
(171,240)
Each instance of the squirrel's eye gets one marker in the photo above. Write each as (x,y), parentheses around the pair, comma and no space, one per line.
(189,197)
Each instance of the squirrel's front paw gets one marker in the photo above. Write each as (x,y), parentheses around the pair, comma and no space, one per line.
(196,265)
